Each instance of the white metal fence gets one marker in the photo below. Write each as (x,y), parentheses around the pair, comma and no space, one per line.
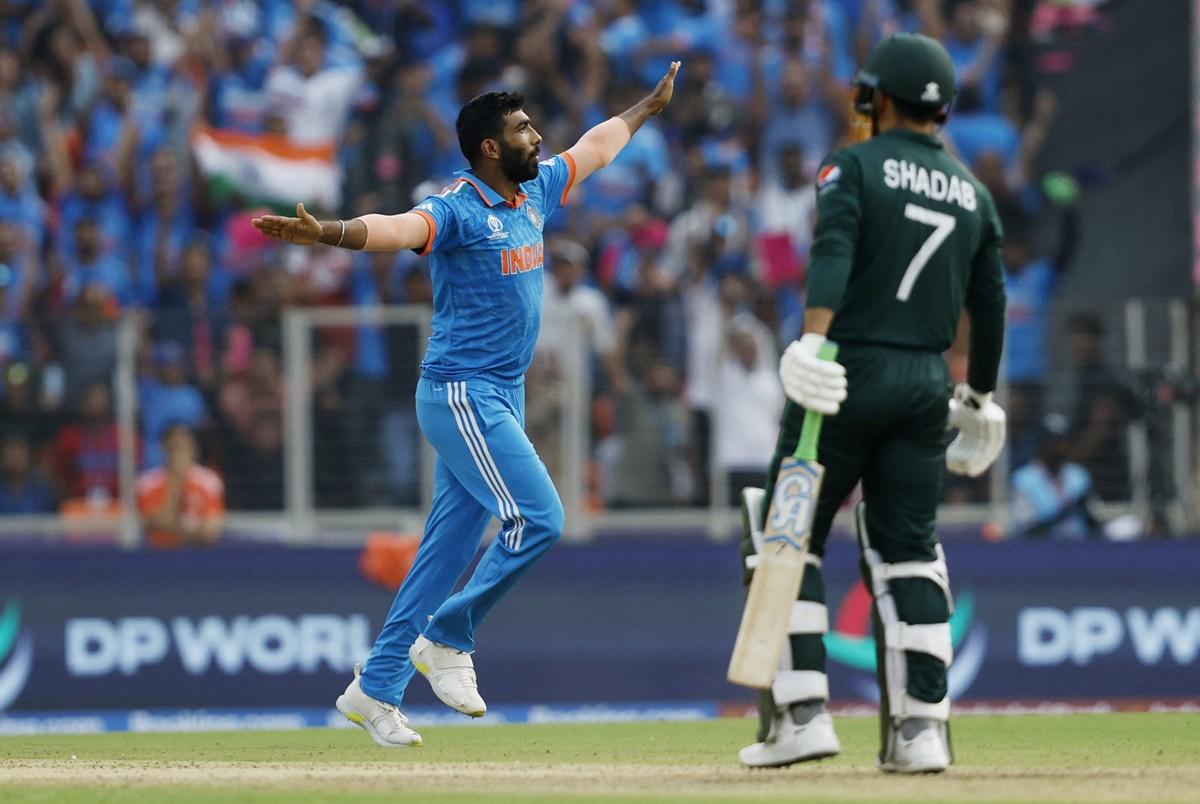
(383,443)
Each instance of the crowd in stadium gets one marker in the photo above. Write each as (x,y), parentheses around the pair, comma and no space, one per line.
(685,258)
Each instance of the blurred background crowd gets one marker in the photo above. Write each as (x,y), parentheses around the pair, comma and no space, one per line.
(137,136)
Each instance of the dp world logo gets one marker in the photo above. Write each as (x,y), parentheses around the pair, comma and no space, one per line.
(16,654)
(851,642)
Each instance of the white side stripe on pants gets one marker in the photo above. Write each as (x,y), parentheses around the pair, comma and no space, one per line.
(464,417)
(460,419)
(514,536)
(517,531)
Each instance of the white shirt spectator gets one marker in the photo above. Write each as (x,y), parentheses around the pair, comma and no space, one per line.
(748,398)
(566,298)
(791,212)
(705,322)
(584,303)
(316,107)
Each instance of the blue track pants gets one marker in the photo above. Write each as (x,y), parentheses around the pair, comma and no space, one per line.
(486,467)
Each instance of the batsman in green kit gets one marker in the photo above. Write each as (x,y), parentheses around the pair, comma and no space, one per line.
(906,239)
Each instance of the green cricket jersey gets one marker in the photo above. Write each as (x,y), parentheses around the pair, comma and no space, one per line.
(906,237)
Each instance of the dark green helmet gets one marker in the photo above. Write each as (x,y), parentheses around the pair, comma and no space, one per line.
(909,67)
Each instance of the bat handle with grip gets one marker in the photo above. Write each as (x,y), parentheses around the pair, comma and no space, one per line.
(810,431)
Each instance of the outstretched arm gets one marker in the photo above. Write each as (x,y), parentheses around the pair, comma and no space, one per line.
(409,230)
(601,144)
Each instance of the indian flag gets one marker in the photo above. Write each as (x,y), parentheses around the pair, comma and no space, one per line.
(267,169)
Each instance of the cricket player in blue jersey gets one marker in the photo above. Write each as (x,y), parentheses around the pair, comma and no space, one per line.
(484,237)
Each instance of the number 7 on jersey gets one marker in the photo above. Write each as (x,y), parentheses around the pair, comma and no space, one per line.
(943,225)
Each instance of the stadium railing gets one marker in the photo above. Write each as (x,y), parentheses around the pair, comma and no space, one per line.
(364,467)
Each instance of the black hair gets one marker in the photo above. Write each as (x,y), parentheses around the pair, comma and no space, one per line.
(1087,323)
(916,113)
(315,29)
(1017,229)
(242,290)
(968,100)
(483,119)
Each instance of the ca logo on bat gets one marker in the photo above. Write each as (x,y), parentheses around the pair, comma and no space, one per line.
(792,509)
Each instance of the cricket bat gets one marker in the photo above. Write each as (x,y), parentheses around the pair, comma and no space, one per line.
(780,569)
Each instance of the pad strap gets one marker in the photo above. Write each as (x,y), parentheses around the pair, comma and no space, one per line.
(808,617)
(791,686)
(809,559)
(911,707)
(933,639)
(934,571)
(898,636)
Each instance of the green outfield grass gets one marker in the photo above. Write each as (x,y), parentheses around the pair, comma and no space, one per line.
(1125,757)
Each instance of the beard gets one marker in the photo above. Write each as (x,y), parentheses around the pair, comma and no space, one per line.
(518,165)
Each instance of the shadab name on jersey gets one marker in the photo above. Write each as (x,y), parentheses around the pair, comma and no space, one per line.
(900,174)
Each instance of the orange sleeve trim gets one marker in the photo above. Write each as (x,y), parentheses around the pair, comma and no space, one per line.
(428,247)
(570,160)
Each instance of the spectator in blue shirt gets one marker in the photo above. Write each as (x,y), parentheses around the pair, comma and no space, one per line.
(975,131)
(1051,495)
(87,341)
(237,97)
(167,399)
(974,41)
(622,38)
(1031,284)
(19,202)
(89,265)
(500,13)
(633,177)
(111,119)
(421,29)
(192,312)
(800,118)
(94,199)
(165,227)
(12,330)
(22,491)
(674,28)
(737,55)
(21,274)
(18,99)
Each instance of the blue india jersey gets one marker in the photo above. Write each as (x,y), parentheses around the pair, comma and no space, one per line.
(486,265)
(1030,295)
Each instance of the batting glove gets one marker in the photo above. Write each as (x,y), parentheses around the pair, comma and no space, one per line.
(981,426)
(809,381)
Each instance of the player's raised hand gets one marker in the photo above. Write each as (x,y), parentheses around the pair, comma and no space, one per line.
(665,89)
(303,230)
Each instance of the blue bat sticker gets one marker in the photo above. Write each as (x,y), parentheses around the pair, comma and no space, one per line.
(792,506)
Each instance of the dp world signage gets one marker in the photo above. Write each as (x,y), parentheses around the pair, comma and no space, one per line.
(96,629)
(1056,621)
(269,644)
(92,629)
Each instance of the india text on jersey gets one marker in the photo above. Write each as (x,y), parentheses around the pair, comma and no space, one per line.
(520,259)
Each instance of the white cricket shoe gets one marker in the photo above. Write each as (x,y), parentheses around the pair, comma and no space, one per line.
(451,673)
(918,747)
(790,742)
(383,721)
